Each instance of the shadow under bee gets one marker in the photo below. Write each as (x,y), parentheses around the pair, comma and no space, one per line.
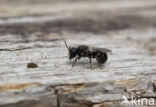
(85,63)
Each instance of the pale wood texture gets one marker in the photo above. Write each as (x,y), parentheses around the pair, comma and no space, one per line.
(33,32)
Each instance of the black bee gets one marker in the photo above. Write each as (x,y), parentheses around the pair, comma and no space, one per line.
(91,52)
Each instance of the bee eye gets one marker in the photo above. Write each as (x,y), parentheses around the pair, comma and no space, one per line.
(73,50)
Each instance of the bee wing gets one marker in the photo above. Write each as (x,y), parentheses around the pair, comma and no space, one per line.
(104,50)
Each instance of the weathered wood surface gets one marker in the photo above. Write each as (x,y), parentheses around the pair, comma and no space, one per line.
(33,31)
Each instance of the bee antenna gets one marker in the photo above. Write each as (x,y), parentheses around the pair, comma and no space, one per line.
(66,44)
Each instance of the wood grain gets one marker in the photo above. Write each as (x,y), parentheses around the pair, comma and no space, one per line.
(35,33)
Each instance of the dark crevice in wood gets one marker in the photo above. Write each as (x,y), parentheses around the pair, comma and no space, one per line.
(24,48)
(30,41)
(154,87)
(57,97)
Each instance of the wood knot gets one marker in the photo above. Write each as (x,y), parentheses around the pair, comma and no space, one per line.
(32,65)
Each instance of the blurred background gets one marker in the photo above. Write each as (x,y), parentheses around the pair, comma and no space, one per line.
(38,17)
(93,16)
(25,17)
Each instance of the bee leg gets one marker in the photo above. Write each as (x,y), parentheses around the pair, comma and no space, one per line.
(90,61)
(97,59)
(75,61)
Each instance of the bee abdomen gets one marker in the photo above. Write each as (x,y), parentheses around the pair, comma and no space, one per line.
(102,57)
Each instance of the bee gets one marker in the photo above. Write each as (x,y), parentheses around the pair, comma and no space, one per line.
(85,51)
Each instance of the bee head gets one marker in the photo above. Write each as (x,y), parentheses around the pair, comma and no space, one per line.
(72,51)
